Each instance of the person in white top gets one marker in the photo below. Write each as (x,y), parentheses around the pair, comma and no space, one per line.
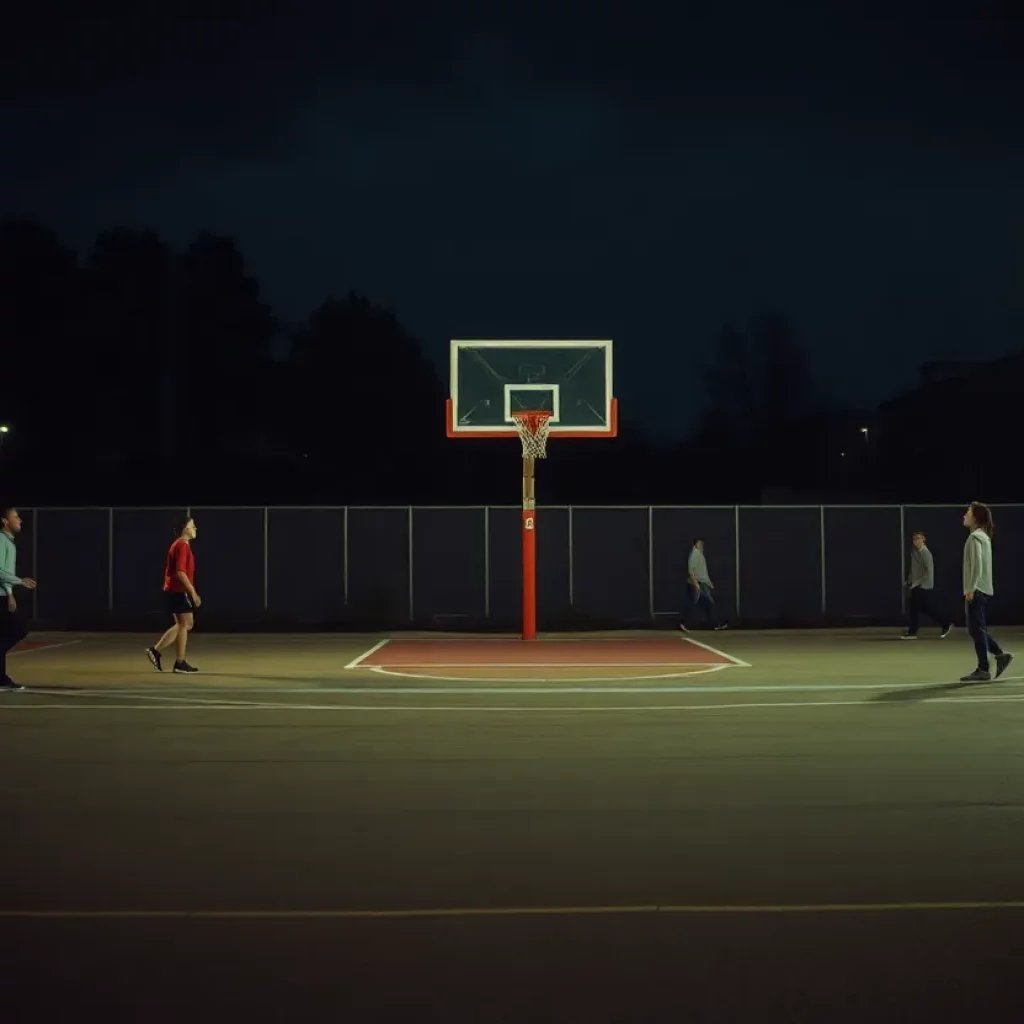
(978,591)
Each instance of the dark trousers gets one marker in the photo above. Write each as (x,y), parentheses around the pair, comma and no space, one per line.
(700,597)
(922,602)
(977,625)
(11,633)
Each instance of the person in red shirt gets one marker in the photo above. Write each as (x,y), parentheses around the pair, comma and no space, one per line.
(181,597)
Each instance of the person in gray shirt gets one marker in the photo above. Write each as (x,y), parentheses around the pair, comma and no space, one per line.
(700,587)
(922,589)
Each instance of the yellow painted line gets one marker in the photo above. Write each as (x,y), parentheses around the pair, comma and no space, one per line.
(440,912)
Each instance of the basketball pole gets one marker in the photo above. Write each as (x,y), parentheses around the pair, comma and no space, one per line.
(529,554)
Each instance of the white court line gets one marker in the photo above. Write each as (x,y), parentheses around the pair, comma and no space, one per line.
(526,684)
(541,641)
(177,692)
(355,662)
(546,664)
(48,647)
(484,708)
(487,709)
(382,670)
(715,650)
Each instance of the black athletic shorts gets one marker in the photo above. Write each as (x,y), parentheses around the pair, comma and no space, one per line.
(178,603)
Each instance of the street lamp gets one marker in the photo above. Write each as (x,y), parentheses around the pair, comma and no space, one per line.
(864,431)
(4,431)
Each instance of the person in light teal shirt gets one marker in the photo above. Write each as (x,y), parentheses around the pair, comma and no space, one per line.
(12,631)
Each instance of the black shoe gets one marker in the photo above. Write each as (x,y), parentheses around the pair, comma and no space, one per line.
(10,686)
(977,676)
(946,630)
(184,668)
(154,656)
(1002,663)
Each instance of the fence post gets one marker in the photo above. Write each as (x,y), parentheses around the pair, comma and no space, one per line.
(903,562)
(650,560)
(487,561)
(821,531)
(35,562)
(344,553)
(266,558)
(572,599)
(736,542)
(412,603)
(110,559)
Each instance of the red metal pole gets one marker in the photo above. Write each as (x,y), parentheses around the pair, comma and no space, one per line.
(529,554)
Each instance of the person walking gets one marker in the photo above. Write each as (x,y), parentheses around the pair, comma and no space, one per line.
(700,587)
(12,631)
(181,598)
(978,591)
(922,588)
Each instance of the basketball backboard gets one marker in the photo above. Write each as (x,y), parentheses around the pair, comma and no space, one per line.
(492,380)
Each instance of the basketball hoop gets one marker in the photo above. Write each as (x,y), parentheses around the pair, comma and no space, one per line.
(557,388)
(533,426)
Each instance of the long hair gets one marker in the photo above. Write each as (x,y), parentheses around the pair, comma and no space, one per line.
(983,517)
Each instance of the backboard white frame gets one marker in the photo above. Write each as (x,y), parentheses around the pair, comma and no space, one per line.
(455,429)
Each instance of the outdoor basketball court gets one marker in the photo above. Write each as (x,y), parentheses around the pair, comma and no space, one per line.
(637,827)
(596,828)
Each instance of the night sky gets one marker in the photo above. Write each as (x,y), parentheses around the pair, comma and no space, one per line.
(549,170)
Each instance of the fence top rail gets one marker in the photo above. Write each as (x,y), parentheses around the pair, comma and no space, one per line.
(405,508)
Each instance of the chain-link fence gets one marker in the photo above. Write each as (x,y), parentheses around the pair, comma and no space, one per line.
(460,568)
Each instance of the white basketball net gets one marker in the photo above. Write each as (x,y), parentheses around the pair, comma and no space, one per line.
(534,428)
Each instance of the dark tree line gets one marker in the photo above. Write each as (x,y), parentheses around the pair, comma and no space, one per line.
(136,373)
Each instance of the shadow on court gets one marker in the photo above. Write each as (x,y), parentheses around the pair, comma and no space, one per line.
(910,695)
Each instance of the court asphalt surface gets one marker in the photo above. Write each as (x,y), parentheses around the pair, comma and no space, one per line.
(816,826)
